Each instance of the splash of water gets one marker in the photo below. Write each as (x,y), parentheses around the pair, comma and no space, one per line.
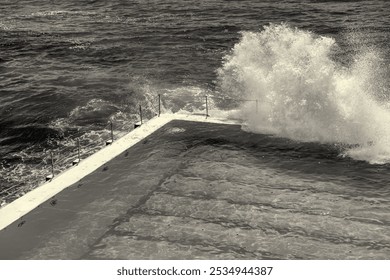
(305,94)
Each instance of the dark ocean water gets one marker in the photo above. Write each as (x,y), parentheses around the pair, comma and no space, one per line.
(69,67)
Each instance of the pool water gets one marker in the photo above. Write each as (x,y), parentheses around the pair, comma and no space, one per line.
(213,191)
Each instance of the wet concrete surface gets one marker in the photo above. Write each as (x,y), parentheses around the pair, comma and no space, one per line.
(66,226)
(204,191)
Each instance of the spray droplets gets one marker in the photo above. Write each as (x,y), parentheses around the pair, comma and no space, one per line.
(304,94)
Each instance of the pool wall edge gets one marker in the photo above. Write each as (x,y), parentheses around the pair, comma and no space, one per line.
(23,205)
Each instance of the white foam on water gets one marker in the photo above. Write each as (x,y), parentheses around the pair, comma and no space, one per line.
(304,94)
(60,12)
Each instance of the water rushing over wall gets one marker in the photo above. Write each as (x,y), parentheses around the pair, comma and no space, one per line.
(306,94)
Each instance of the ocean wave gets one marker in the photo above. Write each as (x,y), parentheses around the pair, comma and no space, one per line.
(306,95)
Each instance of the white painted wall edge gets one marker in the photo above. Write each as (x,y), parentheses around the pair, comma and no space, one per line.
(23,205)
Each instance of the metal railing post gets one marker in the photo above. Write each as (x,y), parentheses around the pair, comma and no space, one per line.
(159,104)
(78,149)
(77,161)
(51,176)
(207,108)
(52,163)
(109,142)
(140,113)
(112,132)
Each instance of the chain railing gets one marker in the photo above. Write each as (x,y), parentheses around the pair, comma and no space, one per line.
(57,161)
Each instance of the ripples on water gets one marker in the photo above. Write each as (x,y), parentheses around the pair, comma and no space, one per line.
(221,193)
(68,67)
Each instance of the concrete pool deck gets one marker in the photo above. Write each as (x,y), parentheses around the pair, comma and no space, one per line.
(32,199)
(197,188)
(29,209)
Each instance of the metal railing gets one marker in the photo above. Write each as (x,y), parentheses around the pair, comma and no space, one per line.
(57,161)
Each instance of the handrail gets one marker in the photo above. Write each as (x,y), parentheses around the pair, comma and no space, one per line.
(56,160)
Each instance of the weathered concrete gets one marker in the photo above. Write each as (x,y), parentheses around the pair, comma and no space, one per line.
(196,190)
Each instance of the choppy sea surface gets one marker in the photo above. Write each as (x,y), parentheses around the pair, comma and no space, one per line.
(319,71)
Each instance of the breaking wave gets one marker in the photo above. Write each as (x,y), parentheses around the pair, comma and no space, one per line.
(306,93)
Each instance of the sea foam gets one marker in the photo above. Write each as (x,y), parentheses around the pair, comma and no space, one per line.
(306,94)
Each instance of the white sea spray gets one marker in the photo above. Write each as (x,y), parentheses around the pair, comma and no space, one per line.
(304,94)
